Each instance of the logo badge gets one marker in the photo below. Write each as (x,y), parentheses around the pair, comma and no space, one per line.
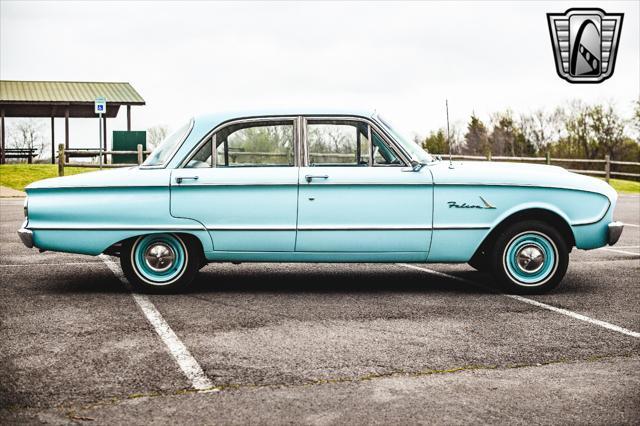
(486,205)
(585,43)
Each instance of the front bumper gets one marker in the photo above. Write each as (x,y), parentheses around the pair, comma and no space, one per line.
(614,232)
(26,235)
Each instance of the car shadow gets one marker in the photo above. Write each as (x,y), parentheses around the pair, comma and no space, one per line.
(337,279)
(274,279)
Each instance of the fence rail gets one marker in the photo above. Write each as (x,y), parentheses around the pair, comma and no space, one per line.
(604,171)
(65,154)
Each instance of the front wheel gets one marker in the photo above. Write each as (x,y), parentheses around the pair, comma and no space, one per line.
(530,257)
(160,263)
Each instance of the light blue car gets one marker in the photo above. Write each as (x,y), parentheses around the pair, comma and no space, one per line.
(319,187)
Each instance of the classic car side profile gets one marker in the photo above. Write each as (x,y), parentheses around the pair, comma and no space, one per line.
(319,187)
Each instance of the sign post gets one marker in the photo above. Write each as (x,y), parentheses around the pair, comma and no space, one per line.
(100,107)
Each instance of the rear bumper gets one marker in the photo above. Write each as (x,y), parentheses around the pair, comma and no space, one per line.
(614,232)
(26,235)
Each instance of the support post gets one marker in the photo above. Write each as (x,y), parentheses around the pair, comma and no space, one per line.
(489,156)
(607,167)
(2,137)
(548,157)
(61,160)
(140,154)
(53,141)
(128,118)
(66,132)
(104,137)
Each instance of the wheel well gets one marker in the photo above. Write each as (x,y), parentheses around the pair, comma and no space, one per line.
(547,216)
(115,249)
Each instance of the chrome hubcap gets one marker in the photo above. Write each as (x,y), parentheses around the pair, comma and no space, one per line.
(159,257)
(530,258)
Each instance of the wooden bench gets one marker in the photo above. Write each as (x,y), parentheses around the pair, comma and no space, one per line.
(27,153)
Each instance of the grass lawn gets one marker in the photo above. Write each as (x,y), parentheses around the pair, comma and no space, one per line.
(17,176)
(625,186)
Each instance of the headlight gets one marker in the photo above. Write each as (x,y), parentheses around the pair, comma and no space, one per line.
(26,207)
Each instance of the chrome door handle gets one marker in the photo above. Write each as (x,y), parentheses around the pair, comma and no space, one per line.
(309,178)
(181,178)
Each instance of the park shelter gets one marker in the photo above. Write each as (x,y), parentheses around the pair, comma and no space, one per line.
(63,99)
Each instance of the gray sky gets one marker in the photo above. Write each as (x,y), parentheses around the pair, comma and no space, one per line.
(402,59)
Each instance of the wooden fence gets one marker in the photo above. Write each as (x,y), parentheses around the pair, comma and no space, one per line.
(64,154)
(605,164)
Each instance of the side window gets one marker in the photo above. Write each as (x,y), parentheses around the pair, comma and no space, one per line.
(382,154)
(338,143)
(202,158)
(268,143)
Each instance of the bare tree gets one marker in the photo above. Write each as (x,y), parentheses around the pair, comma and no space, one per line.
(155,135)
(25,134)
(542,128)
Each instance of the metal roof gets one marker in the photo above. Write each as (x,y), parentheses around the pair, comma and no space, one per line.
(67,92)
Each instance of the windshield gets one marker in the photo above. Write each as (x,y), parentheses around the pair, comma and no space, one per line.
(414,150)
(161,154)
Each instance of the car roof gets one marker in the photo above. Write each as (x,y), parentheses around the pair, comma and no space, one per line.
(214,119)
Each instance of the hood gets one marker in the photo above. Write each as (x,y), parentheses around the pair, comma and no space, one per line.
(518,174)
(121,177)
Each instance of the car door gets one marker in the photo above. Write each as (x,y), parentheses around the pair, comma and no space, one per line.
(246,194)
(357,195)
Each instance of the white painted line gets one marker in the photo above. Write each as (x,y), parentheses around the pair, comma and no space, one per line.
(178,350)
(562,311)
(633,225)
(619,251)
(13,265)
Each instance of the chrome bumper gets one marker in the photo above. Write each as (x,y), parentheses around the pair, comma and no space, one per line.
(26,235)
(615,230)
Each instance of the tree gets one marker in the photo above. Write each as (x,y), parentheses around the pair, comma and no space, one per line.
(542,129)
(436,142)
(26,134)
(608,129)
(155,135)
(477,141)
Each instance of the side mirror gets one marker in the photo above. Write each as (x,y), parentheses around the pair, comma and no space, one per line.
(416,166)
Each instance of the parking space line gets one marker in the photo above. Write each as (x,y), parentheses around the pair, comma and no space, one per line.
(619,251)
(178,350)
(633,225)
(14,265)
(522,299)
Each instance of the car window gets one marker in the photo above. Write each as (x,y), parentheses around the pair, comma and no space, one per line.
(338,143)
(202,158)
(161,154)
(268,143)
(383,155)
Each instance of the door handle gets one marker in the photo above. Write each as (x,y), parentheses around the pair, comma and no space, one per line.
(309,178)
(181,178)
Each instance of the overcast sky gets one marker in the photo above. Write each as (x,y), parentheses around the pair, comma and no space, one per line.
(402,59)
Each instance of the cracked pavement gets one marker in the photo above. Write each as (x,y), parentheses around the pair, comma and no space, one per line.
(318,344)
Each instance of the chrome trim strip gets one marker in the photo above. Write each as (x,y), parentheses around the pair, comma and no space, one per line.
(295,184)
(118,228)
(460,228)
(364,228)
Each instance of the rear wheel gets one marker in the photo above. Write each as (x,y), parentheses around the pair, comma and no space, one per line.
(160,263)
(529,257)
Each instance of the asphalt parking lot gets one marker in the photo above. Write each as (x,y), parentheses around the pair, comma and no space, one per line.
(318,344)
